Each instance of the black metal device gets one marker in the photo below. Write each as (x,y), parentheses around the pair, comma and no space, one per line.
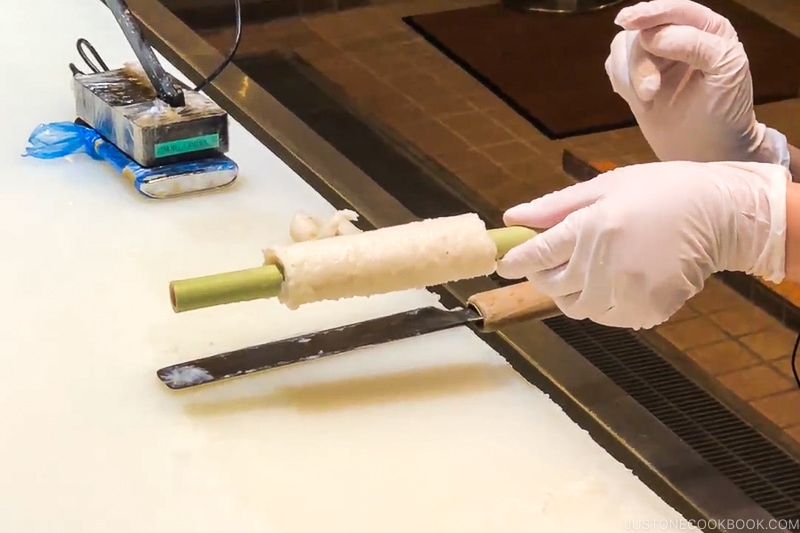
(143,110)
(162,82)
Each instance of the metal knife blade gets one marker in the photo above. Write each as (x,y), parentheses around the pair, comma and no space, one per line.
(314,346)
(488,311)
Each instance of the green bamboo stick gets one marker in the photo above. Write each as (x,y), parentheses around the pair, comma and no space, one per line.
(508,238)
(228,287)
(265,281)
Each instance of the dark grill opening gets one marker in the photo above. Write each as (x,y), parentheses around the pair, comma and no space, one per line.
(764,472)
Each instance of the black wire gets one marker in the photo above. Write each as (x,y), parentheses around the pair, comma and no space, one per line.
(236,42)
(83,45)
(794,361)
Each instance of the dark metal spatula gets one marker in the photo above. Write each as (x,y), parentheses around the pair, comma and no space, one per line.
(487,311)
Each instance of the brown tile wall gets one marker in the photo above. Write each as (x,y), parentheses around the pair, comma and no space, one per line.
(743,348)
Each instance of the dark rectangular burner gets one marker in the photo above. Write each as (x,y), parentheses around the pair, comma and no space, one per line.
(550,67)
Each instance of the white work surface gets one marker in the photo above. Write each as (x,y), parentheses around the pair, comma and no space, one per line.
(436,434)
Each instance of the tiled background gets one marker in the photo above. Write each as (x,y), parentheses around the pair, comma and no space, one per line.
(741,352)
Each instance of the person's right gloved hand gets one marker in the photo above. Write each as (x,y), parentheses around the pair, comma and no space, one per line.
(712,117)
(629,247)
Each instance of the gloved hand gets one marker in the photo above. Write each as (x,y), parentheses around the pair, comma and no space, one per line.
(712,116)
(629,247)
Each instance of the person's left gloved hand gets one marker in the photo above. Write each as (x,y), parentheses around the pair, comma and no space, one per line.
(711,117)
(629,247)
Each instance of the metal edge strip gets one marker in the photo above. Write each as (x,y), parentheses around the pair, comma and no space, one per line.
(626,430)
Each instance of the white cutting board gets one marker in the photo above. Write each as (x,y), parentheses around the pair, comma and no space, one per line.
(436,434)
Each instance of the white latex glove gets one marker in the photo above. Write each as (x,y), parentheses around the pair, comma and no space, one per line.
(629,247)
(712,116)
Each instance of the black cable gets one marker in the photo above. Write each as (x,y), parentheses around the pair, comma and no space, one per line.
(83,46)
(236,42)
(83,43)
(794,361)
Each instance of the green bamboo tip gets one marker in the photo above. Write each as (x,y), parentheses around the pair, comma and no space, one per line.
(507,238)
(265,281)
(228,287)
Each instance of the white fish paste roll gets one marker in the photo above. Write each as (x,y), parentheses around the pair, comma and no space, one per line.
(409,256)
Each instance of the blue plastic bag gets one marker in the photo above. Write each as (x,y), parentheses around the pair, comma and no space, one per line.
(60,139)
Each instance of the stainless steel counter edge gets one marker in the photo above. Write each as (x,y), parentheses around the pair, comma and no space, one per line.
(630,433)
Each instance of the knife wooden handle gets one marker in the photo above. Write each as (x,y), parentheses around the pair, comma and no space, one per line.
(512,304)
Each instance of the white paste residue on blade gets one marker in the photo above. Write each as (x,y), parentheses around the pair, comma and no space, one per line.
(183,376)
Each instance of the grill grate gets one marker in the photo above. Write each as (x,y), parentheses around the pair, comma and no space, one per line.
(769,476)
